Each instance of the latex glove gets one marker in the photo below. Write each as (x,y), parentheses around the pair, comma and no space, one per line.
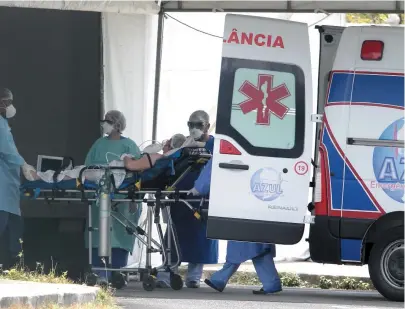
(27,169)
(193,192)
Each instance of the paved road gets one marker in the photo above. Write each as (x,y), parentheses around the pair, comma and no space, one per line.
(241,297)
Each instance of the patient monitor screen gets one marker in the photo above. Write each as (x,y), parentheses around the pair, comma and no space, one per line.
(50,164)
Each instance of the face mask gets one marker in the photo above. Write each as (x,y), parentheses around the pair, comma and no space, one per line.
(196,133)
(10,111)
(107,128)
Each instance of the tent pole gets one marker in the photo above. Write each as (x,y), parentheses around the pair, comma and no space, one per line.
(158,66)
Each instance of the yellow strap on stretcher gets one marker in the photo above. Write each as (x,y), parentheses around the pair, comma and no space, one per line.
(77,183)
(197,215)
(201,160)
(138,185)
(169,188)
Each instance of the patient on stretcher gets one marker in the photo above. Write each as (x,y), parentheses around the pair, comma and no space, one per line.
(92,174)
(147,161)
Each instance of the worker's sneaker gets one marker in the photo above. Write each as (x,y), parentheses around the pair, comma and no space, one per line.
(193,284)
(211,285)
(262,292)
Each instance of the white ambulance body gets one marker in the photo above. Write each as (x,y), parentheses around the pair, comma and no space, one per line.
(264,143)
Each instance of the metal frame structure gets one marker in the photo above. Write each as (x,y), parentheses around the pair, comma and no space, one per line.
(276,6)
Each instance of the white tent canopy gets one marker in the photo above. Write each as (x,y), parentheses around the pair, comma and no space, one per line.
(124,7)
(153,7)
(286,6)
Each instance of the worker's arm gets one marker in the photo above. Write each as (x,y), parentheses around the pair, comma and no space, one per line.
(8,150)
(134,149)
(145,162)
(203,183)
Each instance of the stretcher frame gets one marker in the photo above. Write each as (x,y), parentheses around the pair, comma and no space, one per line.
(161,201)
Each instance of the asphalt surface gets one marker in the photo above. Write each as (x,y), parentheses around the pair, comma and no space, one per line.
(235,297)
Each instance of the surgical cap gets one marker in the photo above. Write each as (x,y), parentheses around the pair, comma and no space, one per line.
(199,116)
(117,119)
(6,94)
(177,141)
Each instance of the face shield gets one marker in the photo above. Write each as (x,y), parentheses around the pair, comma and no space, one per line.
(198,124)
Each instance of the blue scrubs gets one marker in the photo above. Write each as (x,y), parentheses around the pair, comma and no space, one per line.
(10,214)
(238,252)
(195,248)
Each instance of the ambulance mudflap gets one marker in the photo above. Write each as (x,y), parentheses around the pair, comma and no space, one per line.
(262,152)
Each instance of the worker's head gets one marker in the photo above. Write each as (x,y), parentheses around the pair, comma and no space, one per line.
(198,125)
(7,108)
(114,122)
(176,141)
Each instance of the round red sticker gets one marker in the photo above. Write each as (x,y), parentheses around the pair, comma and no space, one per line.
(301,168)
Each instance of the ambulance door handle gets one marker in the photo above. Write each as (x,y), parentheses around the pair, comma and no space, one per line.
(233,166)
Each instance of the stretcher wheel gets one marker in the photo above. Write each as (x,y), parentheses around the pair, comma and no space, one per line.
(91,279)
(149,283)
(118,280)
(176,282)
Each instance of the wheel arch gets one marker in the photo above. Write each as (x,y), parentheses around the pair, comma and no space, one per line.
(392,220)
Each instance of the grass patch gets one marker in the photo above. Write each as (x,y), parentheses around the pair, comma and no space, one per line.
(21,273)
(295,280)
(104,297)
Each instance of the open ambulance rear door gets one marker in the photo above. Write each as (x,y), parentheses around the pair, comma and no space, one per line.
(262,152)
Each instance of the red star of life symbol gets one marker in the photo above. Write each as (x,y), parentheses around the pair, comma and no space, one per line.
(264,101)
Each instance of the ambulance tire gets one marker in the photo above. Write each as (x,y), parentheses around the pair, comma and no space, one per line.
(386,265)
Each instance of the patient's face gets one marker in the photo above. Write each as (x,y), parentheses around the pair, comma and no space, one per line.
(166,146)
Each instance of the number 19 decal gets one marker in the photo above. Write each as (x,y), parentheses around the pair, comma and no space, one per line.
(301,168)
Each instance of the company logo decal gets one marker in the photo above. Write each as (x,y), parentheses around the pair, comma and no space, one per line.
(388,163)
(266,184)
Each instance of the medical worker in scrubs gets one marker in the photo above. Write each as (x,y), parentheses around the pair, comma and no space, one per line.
(238,252)
(106,149)
(11,224)
(196,249)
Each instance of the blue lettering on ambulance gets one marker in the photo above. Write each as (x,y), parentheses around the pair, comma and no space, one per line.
(388,163)
(389,170)
(267,188)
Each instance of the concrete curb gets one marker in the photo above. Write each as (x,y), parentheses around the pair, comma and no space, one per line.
(36,294)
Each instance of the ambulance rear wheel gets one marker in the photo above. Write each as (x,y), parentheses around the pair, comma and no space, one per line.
(176,282)
(386,265)
(149,283)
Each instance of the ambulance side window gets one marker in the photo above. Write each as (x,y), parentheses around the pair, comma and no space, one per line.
(262,106)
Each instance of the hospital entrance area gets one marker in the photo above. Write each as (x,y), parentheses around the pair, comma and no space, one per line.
(126,154)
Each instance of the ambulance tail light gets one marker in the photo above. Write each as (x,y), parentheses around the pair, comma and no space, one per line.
(320,194)
(226,147)
(318,186)
(372,50)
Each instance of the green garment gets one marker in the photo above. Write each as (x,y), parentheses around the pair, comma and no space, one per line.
(105,150)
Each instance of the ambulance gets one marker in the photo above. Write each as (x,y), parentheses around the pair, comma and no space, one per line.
(266,157)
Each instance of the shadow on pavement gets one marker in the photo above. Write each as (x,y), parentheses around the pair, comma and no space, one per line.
(242,293)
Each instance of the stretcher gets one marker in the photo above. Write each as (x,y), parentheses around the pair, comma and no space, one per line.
(156,187)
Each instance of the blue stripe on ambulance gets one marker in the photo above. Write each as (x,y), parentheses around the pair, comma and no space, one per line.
(355,197)
(350,250)
(382,89)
